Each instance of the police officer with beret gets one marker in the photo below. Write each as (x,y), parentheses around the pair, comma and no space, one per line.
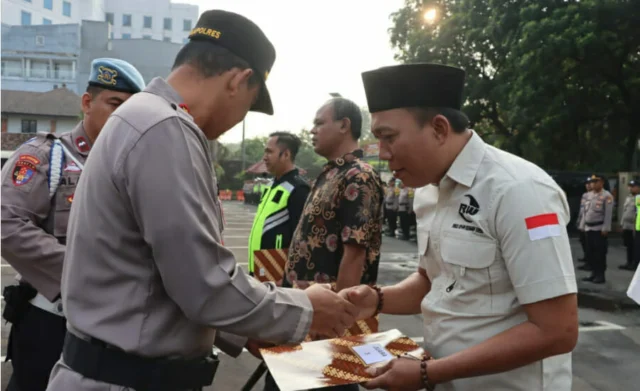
(38,186)
(147,283)
(495,283)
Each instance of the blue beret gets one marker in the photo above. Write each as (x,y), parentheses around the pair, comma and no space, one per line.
(117,75)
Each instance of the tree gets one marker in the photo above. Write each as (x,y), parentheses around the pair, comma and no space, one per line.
(543,76)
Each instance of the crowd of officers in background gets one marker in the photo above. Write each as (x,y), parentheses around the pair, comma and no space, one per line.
(253,189)
(398,207)
(594,223)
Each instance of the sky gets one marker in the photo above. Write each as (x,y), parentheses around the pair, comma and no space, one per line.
(321,47)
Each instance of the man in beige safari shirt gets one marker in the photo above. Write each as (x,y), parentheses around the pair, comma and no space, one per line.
(496,283)
(146,280)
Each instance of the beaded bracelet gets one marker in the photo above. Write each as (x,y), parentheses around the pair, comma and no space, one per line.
(380,299)
(423,373)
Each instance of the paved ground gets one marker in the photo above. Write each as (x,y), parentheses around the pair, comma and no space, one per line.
(606,357)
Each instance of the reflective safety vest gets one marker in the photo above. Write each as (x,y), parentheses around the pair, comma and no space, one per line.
(272,213)
(638,212)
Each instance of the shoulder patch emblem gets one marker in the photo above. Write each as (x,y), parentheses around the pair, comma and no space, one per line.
(24,169)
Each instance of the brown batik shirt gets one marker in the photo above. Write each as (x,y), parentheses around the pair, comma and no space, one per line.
(343,207)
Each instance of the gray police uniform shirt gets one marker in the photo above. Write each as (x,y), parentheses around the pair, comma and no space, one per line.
(34,224)
(628,219)
(492,238)
(598,212)
(584,200)
(403,200)
(145,269)
(391,199)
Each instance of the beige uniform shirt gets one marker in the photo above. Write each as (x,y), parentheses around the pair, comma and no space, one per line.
(34,224)
(492,237)
(628,219)
(598,212)
(145,269)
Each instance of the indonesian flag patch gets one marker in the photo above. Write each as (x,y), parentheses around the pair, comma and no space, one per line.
(543,226)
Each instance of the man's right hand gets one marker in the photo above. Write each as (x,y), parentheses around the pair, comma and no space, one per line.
(332,314)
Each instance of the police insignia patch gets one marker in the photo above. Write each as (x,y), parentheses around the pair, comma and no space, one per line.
(70,199)
(24,169)
(82,144)
(107,75)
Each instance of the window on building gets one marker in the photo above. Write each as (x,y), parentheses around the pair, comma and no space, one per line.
(146,37)
(187,25)
(126,36)
(39,69)
(29,126)
(63,70)
(46,21)
(48,4)
(167,23)
(126,20)
(66,8)
(25,18)
(167,39)
(147,22)
(108,17)
(12,68)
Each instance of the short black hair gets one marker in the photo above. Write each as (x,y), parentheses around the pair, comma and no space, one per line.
(94,91)
(458,120)
(344,108)
(288,141)
(211,60)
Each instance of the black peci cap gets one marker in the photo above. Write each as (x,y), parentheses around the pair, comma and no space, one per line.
(245,39)
(414,85)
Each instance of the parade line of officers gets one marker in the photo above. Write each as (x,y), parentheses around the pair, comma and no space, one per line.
(594,223)
(132,286)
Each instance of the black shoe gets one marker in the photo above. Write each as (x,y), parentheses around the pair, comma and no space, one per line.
(585,268)
(598,280)
(589,279)
(582,260)
(627,267)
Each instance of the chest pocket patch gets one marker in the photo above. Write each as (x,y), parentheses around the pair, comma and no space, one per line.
(480,282)
(63,201)
(276,198)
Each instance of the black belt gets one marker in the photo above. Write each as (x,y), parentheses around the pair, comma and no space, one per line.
(594,224)
(98,361)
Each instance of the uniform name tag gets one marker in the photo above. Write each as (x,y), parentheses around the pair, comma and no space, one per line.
(372,353)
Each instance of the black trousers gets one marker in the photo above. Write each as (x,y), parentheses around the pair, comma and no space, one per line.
(405,222)
(35,345)
(597,246)
(636,249)
(392,220)
(583,243)
(270,385)
(627,240)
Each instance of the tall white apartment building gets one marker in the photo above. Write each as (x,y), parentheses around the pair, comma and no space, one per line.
(130,19)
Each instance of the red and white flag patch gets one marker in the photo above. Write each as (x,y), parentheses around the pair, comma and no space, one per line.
(543,226)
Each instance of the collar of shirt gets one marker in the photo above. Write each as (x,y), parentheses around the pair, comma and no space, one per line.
(286,176)
(347,158)
(159,86)
(466,165)
(81,141)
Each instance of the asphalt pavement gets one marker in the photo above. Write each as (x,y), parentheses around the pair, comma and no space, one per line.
(606,359)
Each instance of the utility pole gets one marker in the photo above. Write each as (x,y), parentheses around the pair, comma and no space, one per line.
(243,157)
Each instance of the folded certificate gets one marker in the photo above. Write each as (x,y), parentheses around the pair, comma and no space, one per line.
(337,361)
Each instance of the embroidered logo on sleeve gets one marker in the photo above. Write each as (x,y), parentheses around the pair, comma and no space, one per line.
(25,169)
(543,226)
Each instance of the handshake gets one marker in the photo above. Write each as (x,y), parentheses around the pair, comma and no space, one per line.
(333,313)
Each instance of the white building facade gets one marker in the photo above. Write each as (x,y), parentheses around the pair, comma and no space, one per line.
(159,20)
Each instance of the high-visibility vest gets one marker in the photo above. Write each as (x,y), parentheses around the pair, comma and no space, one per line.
(638,212)
(272,213)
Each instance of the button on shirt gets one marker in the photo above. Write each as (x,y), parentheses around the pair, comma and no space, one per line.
(492,237)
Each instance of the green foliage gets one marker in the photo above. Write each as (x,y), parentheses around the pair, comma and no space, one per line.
(556,82)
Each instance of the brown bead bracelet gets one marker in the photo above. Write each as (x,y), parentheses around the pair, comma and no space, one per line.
(380,299)
(423,373)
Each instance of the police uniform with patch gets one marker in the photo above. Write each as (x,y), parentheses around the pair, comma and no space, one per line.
(391,208)
(598,213)
(145,295)
(491,236)
(584,200)
(404,212)
(38,186)
(628,224)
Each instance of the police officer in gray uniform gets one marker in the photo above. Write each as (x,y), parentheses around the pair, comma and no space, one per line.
(147,283)
(38,186)
(391,207)
(597,222)
(628,223)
